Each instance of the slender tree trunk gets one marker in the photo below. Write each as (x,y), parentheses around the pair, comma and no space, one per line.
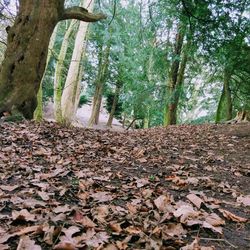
(27,47)
(225,106)
(38,113)
(71,92)
(101,78)
(58,79)
(114,104)
(172,102)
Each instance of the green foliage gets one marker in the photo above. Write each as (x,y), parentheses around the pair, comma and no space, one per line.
(83,100)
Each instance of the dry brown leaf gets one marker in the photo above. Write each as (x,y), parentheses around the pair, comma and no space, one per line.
(116,227)
(133,230)
(4,247)
(43,195)
(9,188)
(245,200)
(197,201)
(23,215)
(102,196)
(186,212)
(214,220)
(232,216)
(98,239)
(87,222)
(162,202)
(142,182)
(101,212)
(173,230)
(26,243)
(63,209)
(110,247)
(65,246)
(215,229)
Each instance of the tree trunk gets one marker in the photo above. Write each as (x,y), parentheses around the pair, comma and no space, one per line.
(27,47)
(71,92)
(114,104)
(225,106)
(38,113)
(58,79)
(172,92)
(101,78)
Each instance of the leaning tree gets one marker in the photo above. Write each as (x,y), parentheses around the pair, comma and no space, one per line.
(27,47)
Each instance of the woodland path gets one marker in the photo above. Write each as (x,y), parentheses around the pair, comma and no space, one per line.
(167,188)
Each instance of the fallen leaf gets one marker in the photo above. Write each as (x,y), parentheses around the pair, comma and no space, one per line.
(102,196)
(9,188)
(26,243)
(197,201)
(162,202)
(23,215)
(245,200)
(232,216)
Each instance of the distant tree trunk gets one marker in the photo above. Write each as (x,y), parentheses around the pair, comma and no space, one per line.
(175,79)
(27,47)
(114,104)
(72,87)
(146,119)
(58,79)
(225,106)
(38,113)
(101,78)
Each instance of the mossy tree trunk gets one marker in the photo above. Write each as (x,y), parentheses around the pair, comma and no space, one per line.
(58,78)
(225,106)
(27,48)
(38,113)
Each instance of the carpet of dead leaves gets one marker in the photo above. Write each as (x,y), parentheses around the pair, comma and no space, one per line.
(181,187)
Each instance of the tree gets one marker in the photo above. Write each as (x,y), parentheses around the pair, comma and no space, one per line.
(22,71)
(72,86)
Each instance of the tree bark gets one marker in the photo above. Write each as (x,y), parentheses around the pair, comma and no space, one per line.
(38,113)
(225,106)
(58,79)
(173,84)
(72,87)
(101,78)
(114,104)
(27,47)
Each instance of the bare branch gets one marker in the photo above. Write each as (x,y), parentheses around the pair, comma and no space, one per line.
(81,14)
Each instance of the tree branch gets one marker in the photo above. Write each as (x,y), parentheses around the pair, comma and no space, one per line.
(81,14)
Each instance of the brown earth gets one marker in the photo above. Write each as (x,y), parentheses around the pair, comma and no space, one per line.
(181,187)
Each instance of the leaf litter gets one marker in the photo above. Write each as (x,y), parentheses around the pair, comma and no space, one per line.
(181,187)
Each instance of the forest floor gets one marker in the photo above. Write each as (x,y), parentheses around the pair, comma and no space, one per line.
(180,187)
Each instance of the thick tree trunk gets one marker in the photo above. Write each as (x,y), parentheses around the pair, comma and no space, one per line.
(25,58)
(225,106)
(71,92)
(173,85)
(58,79)
(114,104)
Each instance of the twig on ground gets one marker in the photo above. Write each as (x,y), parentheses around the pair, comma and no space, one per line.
(226,241)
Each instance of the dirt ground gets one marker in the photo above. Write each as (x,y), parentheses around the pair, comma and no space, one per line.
(180,187)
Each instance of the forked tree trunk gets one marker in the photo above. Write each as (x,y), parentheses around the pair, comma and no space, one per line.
(27,47)
(225,106)
(72,87)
